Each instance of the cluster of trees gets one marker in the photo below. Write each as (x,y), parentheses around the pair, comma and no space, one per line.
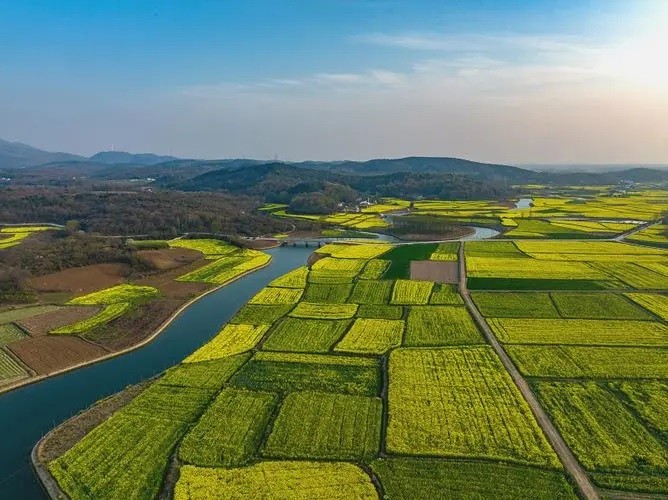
(159,214)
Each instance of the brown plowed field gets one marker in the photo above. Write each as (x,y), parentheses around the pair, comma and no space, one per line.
(169,258)
(80,279)
(135,326)
(44,323)
(177,289)
(430,270)
(49,353)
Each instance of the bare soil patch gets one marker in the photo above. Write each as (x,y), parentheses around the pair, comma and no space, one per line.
(137,325)
(42,324)
(46,354)
(171,289)
(80,279)
(67,434)
(169,258)
(430,270)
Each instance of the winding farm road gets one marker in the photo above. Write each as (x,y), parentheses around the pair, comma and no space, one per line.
(572,466)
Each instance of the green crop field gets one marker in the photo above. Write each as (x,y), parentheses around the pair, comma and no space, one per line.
(590,362)
(212,249)
(125,457)
(407,292)
(653,302)
(515,305)
(9,332)
(444,294)
(327,293)
(232,339)
(649,399)
(580,331)
(329,426)
(205,374)
(305,335)
(432,478)
(293,279)
(446,252)
(230,431)
(324,311)
(505,249)
(271,296)
(604,435)
(380,311)
(283,479)
(257,314)
(279,372)
(440,325)
(597,305)
(10,370)
(343,266)
(633,275)
(183,404)
(346,251)
(371,292)
(227,267)
(372,336)
(374,269)
(460,402)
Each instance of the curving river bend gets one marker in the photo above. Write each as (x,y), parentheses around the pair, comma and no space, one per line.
(28,413)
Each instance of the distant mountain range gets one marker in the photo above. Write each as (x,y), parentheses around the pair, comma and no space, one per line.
(19,155)
(24,164)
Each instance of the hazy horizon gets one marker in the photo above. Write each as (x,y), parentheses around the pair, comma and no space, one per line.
(507,81)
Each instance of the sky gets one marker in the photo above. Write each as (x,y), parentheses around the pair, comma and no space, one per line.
(508,81)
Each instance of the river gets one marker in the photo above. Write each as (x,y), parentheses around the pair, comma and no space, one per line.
(28,413)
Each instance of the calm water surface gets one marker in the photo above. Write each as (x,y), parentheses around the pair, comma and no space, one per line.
(28,413)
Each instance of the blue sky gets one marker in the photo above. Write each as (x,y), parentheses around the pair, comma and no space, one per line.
(512,81)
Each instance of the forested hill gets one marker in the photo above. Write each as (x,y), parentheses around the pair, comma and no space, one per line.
(280,182)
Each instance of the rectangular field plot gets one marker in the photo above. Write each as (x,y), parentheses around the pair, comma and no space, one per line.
(286,372)
(561,361)
(327,293)
(270,295)
(344,266)
(649,399)
(324,311)
(329,277)
(232,339)
(294,279)
(230,431)
(653,302)
(579,331)
(432,478)
(505,249)
(183,404)
(9,332)
(10,370)
(446,251)
(515,305)
(124,457)
(435,270)
(407,292)
(305,335)
(602,433)
(440,325)
(372,292)
(277,480)
(260,314)
(502,267)
(444,294)
(589,250)
(374,269)
(205,374)
(460,402)
(380,311)
(372,336)
(365,251)
(597,305)
(321,425)
(400,257)
(633,275)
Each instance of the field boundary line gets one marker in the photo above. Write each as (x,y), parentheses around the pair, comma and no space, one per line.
(147,340)
(572,466)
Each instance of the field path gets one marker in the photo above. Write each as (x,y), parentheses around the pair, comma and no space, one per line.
(572,466)
(623,236)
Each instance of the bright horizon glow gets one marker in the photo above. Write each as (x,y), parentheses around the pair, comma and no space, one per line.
(507,81)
